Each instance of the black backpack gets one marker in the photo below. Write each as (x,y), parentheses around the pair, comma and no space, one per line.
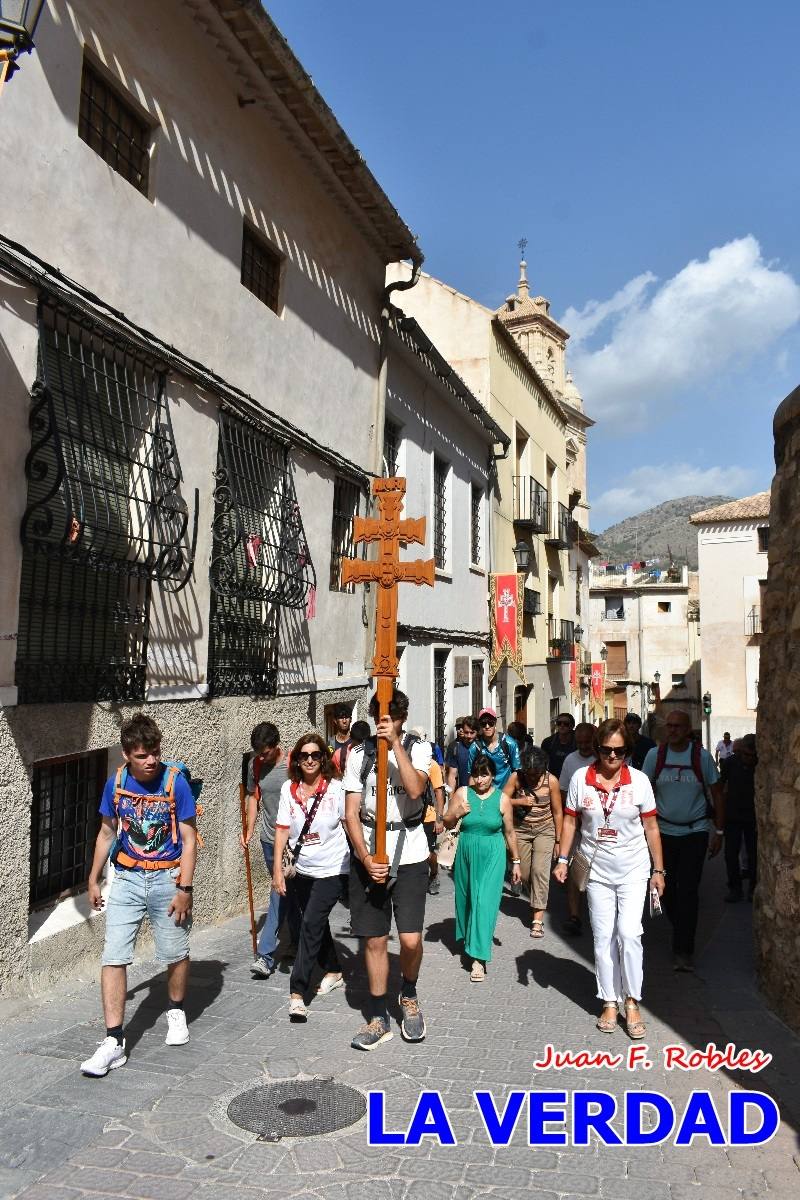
(368,762)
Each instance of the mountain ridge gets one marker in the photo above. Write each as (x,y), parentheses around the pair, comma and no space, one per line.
(658,532)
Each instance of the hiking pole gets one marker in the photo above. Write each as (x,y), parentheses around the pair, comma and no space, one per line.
(242,793)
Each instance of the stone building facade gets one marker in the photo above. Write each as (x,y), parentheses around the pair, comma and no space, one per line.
(192,268)
(777,910)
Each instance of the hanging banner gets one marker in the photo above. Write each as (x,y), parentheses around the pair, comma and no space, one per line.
(598,682)
(505,604)
(574,685)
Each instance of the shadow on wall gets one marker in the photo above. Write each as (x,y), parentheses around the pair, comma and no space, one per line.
(183,162)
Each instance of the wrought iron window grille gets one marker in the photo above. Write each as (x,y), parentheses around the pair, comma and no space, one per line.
(64,823)
(261,269)
(475,525)
(440,513)
(104,519)
(477,685)
(391,447)
(346,501)
(114,129)
(260,559)
(440,658)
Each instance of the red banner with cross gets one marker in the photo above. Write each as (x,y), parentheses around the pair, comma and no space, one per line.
(505,601)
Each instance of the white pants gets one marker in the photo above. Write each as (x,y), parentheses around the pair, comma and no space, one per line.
(616,915)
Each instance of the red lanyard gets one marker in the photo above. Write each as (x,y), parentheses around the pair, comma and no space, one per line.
(602,792)
(321,788)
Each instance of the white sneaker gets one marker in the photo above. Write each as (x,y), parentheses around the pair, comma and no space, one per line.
(177,1031)
(108,1055)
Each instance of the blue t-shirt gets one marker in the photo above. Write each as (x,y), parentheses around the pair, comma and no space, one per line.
(679,794)
(505,756)
(459,758)
(144,828)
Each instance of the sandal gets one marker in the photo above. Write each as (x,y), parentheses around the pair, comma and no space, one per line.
(607,1024)
(297,1010)
(478,972)
(636,1029)
(537,929)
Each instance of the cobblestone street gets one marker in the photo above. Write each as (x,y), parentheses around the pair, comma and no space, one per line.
(156,1129)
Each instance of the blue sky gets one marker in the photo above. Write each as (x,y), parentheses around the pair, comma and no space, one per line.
(648,152)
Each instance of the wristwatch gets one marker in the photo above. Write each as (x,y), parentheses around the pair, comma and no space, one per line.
(181,887)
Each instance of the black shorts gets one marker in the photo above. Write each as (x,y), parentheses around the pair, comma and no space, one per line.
(371,904)
(430,834)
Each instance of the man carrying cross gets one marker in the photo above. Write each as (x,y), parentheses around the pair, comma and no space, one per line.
(384,805)
(401,885)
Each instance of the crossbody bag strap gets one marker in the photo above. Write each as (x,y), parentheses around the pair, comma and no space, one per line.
(298,846)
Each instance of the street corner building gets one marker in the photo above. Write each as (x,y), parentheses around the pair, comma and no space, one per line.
(192,270)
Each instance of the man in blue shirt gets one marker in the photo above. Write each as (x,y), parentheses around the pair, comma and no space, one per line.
(148,828)
(501,748)
(689,810)
(457,762)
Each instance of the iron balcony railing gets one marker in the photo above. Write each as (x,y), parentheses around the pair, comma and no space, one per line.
(531,504)
(560,640)
(561,527)
(752,621)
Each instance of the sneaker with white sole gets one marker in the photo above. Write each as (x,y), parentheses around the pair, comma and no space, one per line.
(371,1035)
(177,1030)
(108,1055)
(412,1026)
(261,969)
(329,983)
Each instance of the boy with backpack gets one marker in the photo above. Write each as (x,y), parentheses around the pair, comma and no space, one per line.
(148,828)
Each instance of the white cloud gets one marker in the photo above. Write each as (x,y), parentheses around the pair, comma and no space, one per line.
(645,487)
(723,311)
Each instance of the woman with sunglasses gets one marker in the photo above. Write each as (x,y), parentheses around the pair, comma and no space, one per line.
(619,836)
(487,827)
(312,801)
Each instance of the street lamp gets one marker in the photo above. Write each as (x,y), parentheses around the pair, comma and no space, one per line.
(522,555)
(578,632)
(656,678)
(18,21)
(604,653)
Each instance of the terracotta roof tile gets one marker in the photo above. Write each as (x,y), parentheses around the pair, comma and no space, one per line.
(750,508)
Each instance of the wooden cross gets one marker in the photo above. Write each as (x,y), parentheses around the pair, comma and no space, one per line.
(392,533)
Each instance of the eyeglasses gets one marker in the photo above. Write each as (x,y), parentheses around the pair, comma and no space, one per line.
(607,751)
(311,755)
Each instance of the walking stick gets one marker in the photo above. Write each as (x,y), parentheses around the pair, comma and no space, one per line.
(243,809)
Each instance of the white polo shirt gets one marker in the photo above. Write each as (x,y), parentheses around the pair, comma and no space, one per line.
(613,859)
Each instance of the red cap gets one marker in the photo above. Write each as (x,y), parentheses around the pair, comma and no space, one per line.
(487,712)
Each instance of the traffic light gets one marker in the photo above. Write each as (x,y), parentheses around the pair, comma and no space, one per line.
(707,704)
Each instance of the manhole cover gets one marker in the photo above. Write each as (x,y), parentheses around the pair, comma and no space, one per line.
(297,1108)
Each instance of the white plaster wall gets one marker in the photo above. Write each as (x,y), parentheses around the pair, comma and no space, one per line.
(171,262)
(730,565)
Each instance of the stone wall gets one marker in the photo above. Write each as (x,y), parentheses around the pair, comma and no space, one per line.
(210,736)
(777,915)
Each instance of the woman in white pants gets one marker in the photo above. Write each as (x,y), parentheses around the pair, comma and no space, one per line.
(619,836)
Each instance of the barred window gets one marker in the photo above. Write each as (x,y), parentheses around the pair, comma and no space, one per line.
(475,525)
(346,498)
(64,822)
(440,513)
(104,517)
(477,685)
(114,129)
(261,269)
(440,658)
(391,447)
(260,561)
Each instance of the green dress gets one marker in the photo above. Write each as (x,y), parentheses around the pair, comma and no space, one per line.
(478,872)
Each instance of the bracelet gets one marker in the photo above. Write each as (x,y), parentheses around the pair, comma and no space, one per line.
(184,888)
(515,862)
(658,871)
(563,858)
(719,832)
(364,859)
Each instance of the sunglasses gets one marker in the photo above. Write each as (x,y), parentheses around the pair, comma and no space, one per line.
(607,751)
(311,755)
(487,721)
(568,724)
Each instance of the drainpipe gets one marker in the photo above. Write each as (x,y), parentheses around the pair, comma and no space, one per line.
(402,285)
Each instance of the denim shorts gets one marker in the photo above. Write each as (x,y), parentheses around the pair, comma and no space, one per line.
(134,895)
